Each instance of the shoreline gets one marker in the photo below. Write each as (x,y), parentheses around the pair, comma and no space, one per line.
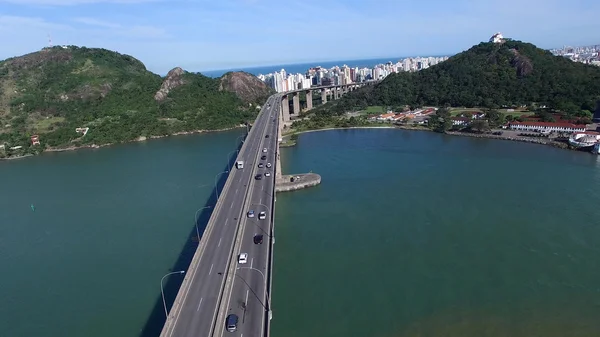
(552,143)
(138,139)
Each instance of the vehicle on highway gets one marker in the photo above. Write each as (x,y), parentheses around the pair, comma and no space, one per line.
(239,164)
(251,214)
(261,165)
(263,157)
(258,239)
(265,150)
(258,177)
(243,258)
(267,136)
(267,174)
(269,165)
(231,322)
(262,215)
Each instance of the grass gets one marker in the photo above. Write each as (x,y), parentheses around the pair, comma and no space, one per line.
(516,113)
(376,109)
(44,124)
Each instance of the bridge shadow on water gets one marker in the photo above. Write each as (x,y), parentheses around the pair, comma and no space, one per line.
(156,320)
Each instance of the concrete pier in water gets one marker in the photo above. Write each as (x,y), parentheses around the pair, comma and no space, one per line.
(293,182)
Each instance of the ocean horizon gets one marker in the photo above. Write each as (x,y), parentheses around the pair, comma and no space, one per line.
(295,68)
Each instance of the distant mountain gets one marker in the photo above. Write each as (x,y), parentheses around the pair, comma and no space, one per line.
(490,75)
(56,90)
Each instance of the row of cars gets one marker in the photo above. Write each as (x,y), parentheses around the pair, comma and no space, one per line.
(232,319)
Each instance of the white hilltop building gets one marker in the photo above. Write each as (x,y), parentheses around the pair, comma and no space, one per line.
(497,38)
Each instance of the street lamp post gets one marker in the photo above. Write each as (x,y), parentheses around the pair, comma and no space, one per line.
(196,221)
(268,307)
(268,210)
(229,156)
(216,186)
(237,141)
(163,292)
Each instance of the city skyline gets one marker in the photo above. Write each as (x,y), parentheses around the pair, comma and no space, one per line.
(203,36)
(317,75)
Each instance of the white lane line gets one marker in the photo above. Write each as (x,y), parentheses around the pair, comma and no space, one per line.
(199,304)
(246,301)
(251,262)
(219,245)
(211,267)
(236,190)
(230,206)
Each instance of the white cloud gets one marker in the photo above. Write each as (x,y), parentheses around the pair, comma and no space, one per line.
(74,2)
(96,22)
(10,23)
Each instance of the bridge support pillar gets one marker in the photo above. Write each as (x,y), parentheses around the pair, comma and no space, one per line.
(323,96)
(309,104)
(285,108)
(336,93)
(296,99)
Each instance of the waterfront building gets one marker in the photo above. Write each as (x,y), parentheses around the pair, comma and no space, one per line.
(546,127)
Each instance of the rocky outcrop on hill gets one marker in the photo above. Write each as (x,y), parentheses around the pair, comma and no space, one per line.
(521,63)
(173,80)
(246,86)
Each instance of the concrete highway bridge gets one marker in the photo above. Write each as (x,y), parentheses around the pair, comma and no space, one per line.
(218,286)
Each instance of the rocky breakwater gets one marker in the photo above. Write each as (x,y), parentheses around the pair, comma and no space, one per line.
(293,182)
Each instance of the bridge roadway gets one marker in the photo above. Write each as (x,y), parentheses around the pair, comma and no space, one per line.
(195,310)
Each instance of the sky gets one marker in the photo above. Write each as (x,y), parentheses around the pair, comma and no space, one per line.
(200,35)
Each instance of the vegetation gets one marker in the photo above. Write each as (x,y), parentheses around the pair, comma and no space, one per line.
(493,76)
(54,91)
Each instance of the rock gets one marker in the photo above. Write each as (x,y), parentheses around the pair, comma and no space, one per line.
(246,86)
(173,80)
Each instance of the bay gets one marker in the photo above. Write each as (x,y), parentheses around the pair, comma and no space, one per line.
(422,234)
(107,225)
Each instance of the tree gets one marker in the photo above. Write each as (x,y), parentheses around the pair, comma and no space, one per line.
(480,125)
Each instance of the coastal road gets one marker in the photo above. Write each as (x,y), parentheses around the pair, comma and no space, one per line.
(198,311)
(248,298)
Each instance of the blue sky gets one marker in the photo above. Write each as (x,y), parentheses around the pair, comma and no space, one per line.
(217,34)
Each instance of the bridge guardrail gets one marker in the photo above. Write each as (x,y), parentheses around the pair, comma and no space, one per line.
(219,322)
(189,275)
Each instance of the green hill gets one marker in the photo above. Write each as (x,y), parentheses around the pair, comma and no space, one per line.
(488,75)
(56,90)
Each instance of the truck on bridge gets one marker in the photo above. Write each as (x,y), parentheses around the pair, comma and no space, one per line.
(239,164)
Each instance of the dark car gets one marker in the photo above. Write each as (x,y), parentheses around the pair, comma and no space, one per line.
(261,165)
(231,322)
(258,177)
(263,157)
(258,239)
(267,136)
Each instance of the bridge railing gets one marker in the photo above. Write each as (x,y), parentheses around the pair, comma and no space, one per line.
(189,275)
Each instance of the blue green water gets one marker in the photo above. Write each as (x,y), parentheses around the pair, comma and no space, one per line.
(420,234)
(107,225)
(409,234)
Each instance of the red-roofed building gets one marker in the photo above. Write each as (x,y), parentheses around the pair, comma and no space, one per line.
(546,126)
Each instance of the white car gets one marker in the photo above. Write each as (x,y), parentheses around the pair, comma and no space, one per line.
(269,165)
(267,174)
(243,258)
(265,150)
(262,215)
(251,214)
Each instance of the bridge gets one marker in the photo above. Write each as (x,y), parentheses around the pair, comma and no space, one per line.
(217,284)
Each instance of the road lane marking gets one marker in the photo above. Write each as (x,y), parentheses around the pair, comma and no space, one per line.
(247,298)
(210,271)
(236,190)
(219,245)
(199,304)
(251,262)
